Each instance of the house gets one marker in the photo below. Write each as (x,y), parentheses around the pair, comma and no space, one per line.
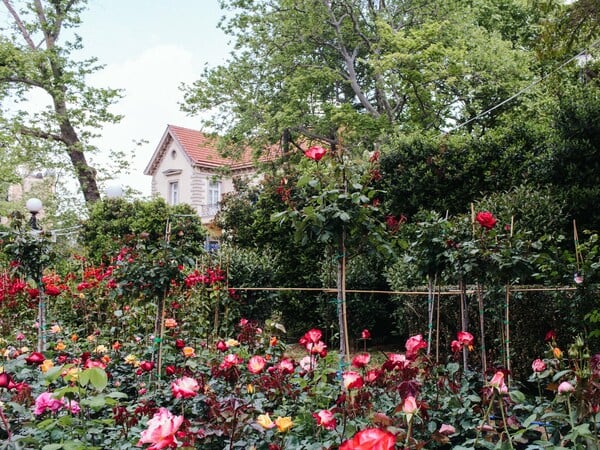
(39,183)
(186,167)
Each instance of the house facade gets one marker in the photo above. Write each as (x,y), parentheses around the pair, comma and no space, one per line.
(186,167)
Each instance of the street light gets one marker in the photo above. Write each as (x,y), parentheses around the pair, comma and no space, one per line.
(114,191)
(34,206)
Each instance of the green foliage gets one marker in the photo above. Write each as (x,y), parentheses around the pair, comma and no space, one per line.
(31,251)
(574,159)
(112,223)
(34,56)
(305,68)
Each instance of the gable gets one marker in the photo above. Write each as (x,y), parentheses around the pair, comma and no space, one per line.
(200,149)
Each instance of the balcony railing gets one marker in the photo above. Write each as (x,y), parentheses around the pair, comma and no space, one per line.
(208,210)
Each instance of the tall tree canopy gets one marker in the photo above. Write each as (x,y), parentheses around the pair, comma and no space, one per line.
(306,68)
(36,56)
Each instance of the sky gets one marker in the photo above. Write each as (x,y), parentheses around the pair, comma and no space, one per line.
(149,47)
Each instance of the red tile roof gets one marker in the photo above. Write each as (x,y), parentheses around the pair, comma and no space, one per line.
(202,149)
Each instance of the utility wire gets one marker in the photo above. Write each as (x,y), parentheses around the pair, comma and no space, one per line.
(525,89)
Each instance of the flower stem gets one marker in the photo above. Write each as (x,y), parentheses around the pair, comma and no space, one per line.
(6,424)
(504,424)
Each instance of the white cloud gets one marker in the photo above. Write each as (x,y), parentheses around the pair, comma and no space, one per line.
(150,83)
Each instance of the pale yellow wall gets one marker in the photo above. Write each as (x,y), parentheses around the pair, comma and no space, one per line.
(193,183)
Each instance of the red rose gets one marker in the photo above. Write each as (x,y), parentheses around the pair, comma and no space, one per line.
(370,439)
(147,366)
(6,381)
(486,219)
(53,290)
(315,153)
(35,359)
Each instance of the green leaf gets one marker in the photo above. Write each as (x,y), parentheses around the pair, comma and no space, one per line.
(96,402)
(98,377)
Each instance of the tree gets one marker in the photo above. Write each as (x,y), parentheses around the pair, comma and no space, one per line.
(114,223)
(33,59)
(304,69)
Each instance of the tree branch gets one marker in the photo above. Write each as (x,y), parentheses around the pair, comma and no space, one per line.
(26,131)
(20,24)
(20,80)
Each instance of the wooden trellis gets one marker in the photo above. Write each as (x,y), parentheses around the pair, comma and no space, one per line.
(505,330)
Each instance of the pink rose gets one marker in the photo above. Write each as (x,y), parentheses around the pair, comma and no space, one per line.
(447,429)
(311,337)
(317,348)
(370,439)
(497,382)
(185,387)
(361,360)
(414,344)
(465,338)
(538,365)
(286,365)
(315,153)
(256,364)
(325,419)
(352,380)
(46,402)
(230,361)
(409,407)
(161,430)
(565,388)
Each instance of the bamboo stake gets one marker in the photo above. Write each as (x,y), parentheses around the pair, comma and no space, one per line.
(430,284)
(507,324)
(437,330)
(463,318)
(482,329)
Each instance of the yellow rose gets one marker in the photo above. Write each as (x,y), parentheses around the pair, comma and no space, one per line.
(47,364)
(232,343)
(284,423)
(132,360)
(72,374)
(101,349)
(170,323)
(557,352)
(265,421)
(250,388)
(188,352)
(60,346)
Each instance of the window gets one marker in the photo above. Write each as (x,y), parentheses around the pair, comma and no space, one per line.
(214,193)
(174,192)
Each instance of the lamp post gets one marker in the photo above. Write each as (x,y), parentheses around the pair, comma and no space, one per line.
(34,206)
(114,191)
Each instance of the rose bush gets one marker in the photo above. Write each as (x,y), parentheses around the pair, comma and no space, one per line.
(248,390)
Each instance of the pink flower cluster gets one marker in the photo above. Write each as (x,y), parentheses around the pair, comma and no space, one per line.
(313,343)
(46,402)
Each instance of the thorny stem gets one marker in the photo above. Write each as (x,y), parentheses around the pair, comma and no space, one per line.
(6,424)
(570,412)
(486,416)
(408,432)
(504,424)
